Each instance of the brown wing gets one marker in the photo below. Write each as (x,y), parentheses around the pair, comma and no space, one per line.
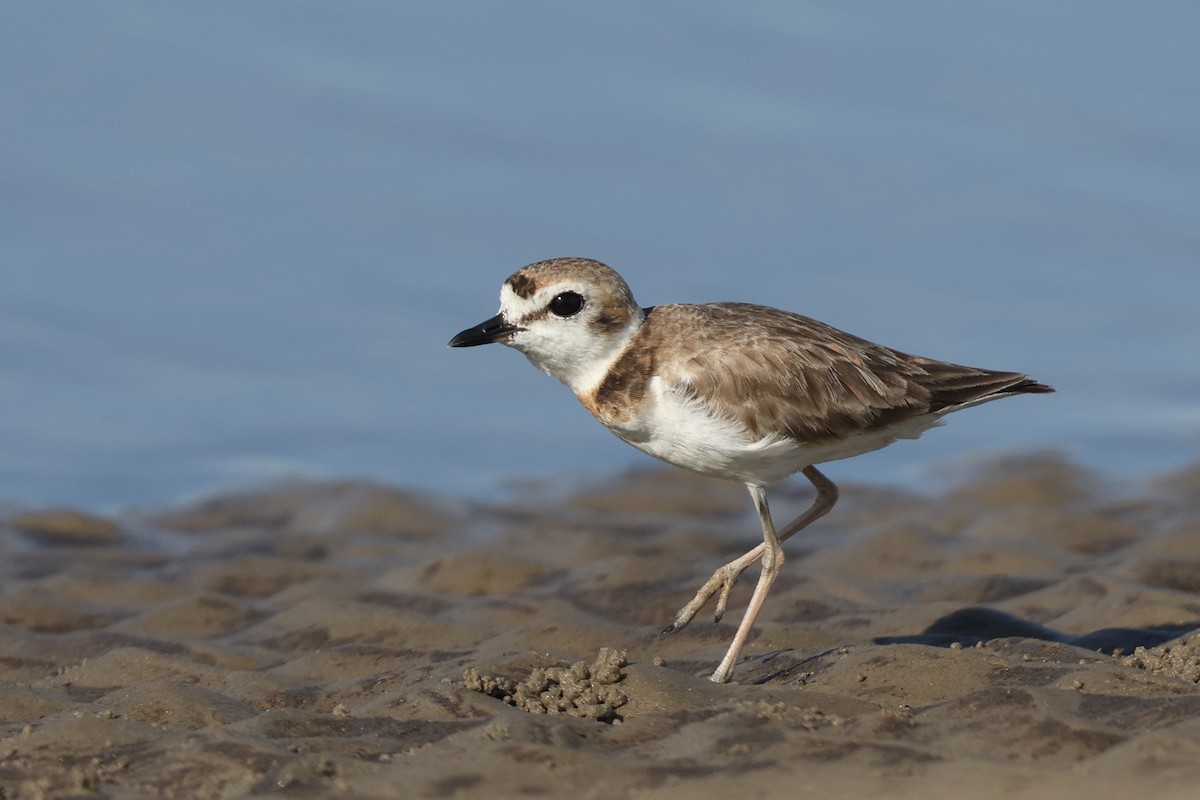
(771,370)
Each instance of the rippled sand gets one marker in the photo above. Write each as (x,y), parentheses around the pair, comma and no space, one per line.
(352,640)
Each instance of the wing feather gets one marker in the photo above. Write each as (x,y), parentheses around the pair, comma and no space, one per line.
(774,371)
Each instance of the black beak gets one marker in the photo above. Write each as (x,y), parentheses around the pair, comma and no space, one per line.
(486,332)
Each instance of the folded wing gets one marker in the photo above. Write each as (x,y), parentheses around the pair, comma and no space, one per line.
(774,371)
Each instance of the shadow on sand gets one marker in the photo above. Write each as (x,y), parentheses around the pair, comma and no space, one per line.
(970,626)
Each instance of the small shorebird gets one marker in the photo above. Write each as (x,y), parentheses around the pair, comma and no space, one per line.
(733,390)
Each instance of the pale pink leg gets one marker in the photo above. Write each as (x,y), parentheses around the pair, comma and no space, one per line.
(724,578)
(772,561)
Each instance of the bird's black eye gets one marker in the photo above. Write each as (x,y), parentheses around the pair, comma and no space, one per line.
(566,304)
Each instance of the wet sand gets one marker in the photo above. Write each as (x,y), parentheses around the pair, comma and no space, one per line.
(354,640)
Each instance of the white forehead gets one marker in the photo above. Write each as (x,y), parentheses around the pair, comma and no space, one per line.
(529,290)
(513,306)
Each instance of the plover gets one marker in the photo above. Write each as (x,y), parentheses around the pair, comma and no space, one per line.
(737,391)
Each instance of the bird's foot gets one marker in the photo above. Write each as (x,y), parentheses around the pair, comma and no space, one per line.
(721,581)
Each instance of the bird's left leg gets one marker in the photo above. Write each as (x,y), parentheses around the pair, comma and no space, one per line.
(772,562)
(724,578)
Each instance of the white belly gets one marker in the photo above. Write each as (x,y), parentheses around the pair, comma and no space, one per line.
(680,431)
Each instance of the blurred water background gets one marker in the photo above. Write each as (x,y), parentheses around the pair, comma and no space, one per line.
(235,237)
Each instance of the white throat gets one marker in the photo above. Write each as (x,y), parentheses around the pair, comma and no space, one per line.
(580,350)
(577,356)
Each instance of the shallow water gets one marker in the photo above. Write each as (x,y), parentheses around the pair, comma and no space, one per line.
(234,241)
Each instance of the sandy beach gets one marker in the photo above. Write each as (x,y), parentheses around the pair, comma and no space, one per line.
(1021,631)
